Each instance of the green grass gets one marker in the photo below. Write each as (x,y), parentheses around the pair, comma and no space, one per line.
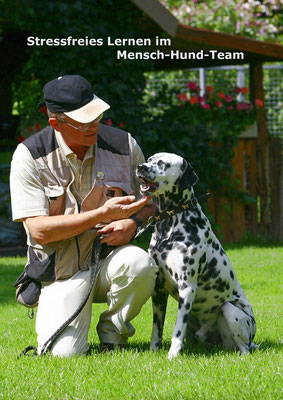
(136,373)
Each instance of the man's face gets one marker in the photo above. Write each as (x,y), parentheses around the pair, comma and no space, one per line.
(75,137)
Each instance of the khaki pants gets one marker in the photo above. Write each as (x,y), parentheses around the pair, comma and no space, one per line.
(125,281)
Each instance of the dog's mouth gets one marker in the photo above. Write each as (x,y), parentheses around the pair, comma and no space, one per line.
(147,186)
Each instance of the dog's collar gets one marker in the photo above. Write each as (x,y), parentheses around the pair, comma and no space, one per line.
(154,219)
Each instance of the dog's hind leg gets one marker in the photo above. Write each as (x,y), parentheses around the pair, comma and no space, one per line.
(159,304)
(237,329)
(186,298)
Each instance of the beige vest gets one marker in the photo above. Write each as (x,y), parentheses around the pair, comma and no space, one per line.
(112,177)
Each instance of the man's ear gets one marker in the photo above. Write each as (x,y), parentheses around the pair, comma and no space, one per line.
(189,177)
(54,123)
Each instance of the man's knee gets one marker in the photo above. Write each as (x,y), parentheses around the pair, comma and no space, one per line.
(135,262)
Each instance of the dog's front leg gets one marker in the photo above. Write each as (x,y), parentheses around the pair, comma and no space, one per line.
(159,304)
(186,298)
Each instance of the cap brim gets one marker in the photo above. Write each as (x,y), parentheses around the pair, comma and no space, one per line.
(89,112)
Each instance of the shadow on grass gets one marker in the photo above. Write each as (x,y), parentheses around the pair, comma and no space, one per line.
(189,350)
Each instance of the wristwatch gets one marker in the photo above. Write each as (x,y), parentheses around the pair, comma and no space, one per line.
(138,221)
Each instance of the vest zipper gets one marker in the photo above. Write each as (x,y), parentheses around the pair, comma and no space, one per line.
(78,252)
(77,242)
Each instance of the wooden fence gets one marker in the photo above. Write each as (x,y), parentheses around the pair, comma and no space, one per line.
(236,221)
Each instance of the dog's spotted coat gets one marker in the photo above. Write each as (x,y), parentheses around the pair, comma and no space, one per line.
(193,267)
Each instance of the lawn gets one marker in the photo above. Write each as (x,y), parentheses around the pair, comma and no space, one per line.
(136,373)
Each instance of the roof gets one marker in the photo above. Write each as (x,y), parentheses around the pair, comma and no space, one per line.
(207,44)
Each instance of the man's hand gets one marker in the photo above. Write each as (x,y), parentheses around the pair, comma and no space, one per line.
(122,207)
(118,233)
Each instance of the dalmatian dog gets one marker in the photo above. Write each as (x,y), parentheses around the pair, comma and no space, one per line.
(193,267)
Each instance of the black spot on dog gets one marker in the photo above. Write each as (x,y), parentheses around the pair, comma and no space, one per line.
(192,261)
(181,302)
(232,275)
(202,260)
(178,334)
(192,272)
(194,250)
(185,318)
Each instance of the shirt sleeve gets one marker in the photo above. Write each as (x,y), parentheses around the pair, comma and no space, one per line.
(137,158)
(28,197)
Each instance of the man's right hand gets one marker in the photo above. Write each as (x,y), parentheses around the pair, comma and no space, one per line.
(122,207)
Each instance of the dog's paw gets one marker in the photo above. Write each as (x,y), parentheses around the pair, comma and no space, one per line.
(176,347)
(155,346)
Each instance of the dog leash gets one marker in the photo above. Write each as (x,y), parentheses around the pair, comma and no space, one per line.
(94,269)
(154,219)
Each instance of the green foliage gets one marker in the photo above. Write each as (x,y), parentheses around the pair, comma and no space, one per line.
(118,82)
(202,129)
(252,18)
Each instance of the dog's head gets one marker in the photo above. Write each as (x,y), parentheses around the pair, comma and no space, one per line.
(165,173)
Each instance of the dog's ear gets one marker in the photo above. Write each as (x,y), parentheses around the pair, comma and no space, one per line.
(189,177)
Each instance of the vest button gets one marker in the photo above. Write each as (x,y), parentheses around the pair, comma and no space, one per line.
(100,175)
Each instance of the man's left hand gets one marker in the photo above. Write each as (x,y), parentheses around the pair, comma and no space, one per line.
(118,233)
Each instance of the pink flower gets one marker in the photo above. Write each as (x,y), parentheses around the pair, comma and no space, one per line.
(108,121)
(229,98)
(192,86)
(183,97)
(230,108)
(219,103)
(206,106)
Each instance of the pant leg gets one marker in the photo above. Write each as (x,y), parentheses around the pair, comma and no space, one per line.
(126,281)
(57,302)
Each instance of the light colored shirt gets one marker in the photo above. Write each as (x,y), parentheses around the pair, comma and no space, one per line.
(28,193)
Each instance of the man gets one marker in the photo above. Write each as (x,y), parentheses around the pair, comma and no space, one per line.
(65,180)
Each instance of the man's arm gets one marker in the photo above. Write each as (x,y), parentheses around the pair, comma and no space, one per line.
(121,232)
(46,229)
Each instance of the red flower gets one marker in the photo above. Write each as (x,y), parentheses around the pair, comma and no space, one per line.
(221,95)
(192,86)
(219,103)
(229,98)
(183,97)
(230,108)
(258,102)
(43,110)
(108,121)
(21,138)
(193,100)
(121,124)
(37,126)
(244,90)
(209,89)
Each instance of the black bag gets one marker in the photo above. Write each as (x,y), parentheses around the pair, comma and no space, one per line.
(28,290)
(29,282)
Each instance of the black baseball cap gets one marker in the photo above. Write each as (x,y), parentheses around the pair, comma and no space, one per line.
(73,96)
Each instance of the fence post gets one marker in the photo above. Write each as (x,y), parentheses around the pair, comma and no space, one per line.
(257,92)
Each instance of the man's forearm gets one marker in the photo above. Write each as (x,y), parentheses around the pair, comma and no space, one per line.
(46,229)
